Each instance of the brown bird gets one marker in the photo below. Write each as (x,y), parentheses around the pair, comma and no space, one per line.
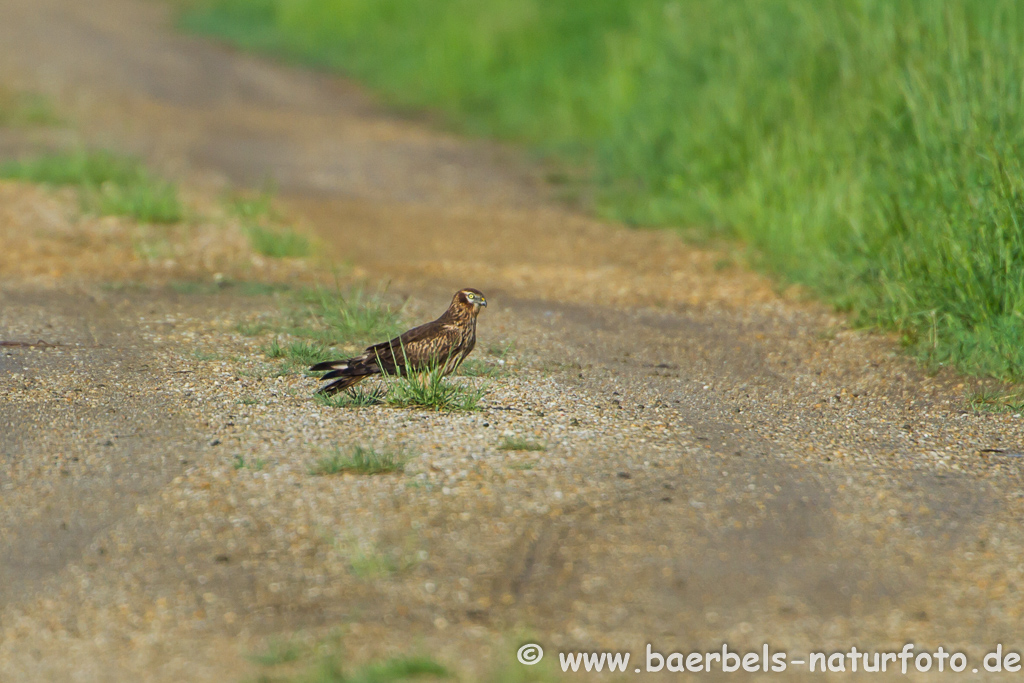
(442,344)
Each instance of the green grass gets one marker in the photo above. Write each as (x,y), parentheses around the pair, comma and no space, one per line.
(369,561)
(330,670)
(240,463)
(428,390)
(317,325)
(26,109)
(518,443)
(433,391)
(358,460)
(355,397)
(324,662)
(258,207)
(278,652)
(205,356)
(872,151)
(991,401)
(278,242)
(300,353)
(332,317)
(264,227)
(108,184)
(337,317)
(253,328)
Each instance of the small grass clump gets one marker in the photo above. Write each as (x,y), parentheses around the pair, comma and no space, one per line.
(298,353)
(330,670)
(253,207)
(263,225)
(355,397)
(278,652)
(253,328)
(293,660)
(991,401)
(240,463)
(434,391)
(205,356)
(371,561)
(307,353)
(109,184)
(358,460)
(331,318)
(336,317)
(278,242)
(26,109)
(518,443)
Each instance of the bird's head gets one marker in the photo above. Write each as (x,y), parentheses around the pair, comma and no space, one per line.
(472,298)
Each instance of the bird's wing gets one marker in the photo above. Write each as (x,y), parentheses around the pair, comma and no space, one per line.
(420,348)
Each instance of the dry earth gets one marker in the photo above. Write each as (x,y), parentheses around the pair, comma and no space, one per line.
(722,464)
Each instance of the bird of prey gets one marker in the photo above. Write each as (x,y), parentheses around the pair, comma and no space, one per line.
(442,345)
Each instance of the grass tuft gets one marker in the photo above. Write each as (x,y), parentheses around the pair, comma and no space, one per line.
(109,184)
(253,208)
(240,463)
(278,652)
(298,353)
(26,109)
(330,670)
(433,391)
(253,328)
(517,443)
(330,318)
(355,397)
(397,669)
(274,349)
(278,242)
(989,401)
(337,317)
(358,460)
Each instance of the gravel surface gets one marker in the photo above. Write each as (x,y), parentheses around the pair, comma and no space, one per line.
(722,463)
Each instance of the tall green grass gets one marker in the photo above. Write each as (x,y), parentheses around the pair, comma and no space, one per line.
(872,150)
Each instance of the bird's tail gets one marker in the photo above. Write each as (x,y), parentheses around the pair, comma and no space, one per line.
(340,384)
(345,373)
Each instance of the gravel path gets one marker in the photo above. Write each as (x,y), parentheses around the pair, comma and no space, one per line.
(722,463)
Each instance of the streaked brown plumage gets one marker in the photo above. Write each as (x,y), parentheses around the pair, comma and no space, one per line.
(443,343)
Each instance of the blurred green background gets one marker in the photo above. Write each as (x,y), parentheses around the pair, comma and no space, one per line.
(868,149)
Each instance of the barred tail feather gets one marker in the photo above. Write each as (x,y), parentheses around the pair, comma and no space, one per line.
(345,373)
(341,384)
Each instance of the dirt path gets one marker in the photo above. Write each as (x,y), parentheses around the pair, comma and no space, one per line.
(722,465)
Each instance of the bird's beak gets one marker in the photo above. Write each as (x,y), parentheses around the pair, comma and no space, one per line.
(483,302)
